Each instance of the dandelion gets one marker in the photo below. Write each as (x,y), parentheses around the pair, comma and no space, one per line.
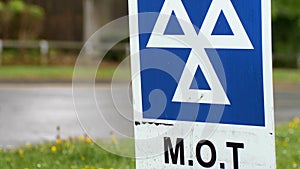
(88,140)
(21,153)
(81,138)
(26,168)
(58,141)
(53,149)
(296,120)
(285,143)
(292,125)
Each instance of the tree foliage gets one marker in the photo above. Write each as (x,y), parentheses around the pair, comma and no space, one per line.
(286,27)
(20,20)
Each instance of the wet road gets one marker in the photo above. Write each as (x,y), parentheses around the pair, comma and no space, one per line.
(31,114)
(287,105)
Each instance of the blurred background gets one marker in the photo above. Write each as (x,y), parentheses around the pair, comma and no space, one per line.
(55,30)
(40,42)
(58,30)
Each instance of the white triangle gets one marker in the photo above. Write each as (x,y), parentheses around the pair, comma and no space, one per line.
(158,39)
(183,92)
(239,39)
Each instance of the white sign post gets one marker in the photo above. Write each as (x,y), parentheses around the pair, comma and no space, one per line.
(202,84)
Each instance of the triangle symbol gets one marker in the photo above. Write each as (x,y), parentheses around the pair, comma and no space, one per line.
(222,26)
(199,81)
(173,26)
(212,26)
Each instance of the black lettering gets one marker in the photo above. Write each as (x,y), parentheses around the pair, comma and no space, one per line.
(222,165)
(174,155)
(235,147)
(213,153)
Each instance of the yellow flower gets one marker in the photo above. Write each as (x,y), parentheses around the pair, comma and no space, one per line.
(58,141)
(113,138)
(25,168)
(82,158)
(296,120)
(291,125)
(81,138)
(285,144)
(53,148)
(21,153)
(88,140)
(111,168)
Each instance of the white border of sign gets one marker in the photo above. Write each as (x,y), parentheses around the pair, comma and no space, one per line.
(262,137)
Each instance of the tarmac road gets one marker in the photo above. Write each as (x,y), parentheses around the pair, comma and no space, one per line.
(31,114)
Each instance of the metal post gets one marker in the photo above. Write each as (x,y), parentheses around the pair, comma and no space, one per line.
(44,49)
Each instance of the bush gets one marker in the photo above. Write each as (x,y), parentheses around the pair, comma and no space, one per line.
(285,61)
(16,6)
(286,25)
(19,20)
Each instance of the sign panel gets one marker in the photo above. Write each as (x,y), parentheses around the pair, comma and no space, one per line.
(202,83)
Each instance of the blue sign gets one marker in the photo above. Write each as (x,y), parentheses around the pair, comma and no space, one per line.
(202,61)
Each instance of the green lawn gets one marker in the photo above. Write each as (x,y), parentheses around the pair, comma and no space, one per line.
(288,145)
(287,75)
(35,72)
(63,154)
(81,153)
(51,73)
(104,73)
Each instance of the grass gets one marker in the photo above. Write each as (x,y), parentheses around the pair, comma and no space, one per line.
(63,154)
(287,75)
(35,72)
(287,145)
(53,73)
(81,153)
(105,73)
